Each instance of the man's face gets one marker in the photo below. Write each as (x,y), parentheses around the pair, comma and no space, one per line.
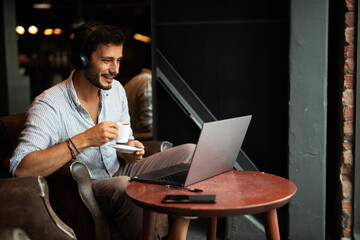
(104,65)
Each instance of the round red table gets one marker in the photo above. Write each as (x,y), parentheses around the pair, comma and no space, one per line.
(237,193)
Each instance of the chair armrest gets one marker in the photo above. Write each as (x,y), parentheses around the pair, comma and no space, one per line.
(13,234)
(152,147)
(24,204)
(72,184)
(81,174)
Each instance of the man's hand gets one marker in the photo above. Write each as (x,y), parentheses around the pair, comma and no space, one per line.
(101,133)
(134,157)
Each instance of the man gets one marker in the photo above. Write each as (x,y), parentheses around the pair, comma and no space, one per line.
(139,95)
(76,119)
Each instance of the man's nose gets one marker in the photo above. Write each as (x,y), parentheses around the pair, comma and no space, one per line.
(115,68)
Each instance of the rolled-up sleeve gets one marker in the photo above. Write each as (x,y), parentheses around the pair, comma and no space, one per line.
(41,132)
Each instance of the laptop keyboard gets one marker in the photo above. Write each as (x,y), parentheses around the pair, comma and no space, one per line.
(175,177)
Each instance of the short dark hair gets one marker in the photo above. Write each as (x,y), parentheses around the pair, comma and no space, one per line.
(90,34)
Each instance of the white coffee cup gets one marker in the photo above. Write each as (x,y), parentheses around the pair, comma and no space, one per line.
(124,129)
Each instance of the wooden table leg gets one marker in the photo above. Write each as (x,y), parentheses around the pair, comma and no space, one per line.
(271,225)
(149,222)
(211,228)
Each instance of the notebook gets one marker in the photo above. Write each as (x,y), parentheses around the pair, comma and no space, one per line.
(216,151)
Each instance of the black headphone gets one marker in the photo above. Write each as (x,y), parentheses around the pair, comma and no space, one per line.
(79,60)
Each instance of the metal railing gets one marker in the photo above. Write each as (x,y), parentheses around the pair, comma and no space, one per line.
(190,103)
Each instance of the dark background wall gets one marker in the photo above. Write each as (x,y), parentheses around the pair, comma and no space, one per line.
(39,54)
(234,56)
(4,104)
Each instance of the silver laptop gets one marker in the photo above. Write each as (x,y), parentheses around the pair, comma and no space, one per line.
(216,152)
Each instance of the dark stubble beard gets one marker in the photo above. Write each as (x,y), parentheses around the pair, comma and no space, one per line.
(94,78)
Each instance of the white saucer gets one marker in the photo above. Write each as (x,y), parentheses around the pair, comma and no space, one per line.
(125,148)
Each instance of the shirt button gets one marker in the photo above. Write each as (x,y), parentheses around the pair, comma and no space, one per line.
(102,150)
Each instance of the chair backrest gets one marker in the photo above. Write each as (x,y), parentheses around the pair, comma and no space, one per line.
(10,129)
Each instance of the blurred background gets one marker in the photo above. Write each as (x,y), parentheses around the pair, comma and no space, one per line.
(45,27)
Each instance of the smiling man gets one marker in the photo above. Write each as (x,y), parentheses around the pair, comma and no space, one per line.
(76,119)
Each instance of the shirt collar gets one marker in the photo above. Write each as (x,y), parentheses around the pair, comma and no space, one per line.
(71,90)
(72,93)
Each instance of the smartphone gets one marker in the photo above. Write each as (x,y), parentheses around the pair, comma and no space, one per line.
(189,199)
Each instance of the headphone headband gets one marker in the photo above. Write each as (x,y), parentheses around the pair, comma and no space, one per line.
(92,30)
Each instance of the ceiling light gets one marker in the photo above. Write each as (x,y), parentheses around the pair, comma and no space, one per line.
(20,30)
(33,29)
(42,5)
(48,31)
(142,38)
(57,31)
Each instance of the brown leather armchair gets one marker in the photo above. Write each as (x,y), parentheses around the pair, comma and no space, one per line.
(25,204)
(70,193)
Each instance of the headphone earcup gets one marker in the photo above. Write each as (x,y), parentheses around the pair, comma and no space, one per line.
(84,61)
(79,61)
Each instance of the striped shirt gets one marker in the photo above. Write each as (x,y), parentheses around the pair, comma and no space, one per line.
(57,114)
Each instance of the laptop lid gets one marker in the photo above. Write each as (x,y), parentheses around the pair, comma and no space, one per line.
(217,148)
(216,151)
